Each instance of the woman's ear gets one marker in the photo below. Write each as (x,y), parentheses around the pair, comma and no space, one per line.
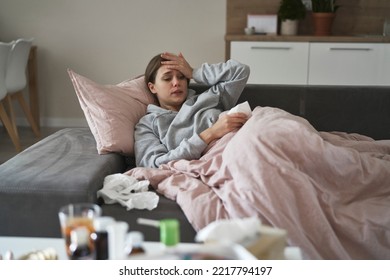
(152,88)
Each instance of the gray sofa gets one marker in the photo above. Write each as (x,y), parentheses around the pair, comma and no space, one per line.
(65,167)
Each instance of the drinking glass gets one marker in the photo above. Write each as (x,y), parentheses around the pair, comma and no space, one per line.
(77,215)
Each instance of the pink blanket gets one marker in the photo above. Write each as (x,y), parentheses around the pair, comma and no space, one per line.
(330,191)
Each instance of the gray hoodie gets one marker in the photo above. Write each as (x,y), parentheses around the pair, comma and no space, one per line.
(163,135)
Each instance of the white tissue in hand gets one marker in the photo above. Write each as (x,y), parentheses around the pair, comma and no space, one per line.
(242,108)
(234,230)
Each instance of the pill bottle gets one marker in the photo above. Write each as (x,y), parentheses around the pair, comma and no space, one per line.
(100,236)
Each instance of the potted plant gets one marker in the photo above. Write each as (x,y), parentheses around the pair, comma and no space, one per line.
(324,12)
(290,12)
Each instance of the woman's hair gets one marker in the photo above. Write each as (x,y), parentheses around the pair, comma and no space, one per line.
(152,68)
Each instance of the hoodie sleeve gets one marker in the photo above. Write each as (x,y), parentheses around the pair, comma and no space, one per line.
(226,79)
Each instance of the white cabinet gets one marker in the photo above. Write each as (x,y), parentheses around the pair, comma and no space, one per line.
(385,77)
(273,62)
(314,63)
(345,64)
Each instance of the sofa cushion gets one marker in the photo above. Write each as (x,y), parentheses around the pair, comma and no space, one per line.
(112,111)
(288,98)
(284,97)
(363,110)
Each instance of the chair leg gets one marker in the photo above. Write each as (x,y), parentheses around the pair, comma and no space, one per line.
(9,127)
(11,111)
(27,112)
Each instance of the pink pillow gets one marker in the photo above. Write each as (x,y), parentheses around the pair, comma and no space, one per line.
(112,111)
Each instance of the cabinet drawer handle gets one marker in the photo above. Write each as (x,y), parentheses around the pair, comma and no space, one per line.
(350,49)
(270,48)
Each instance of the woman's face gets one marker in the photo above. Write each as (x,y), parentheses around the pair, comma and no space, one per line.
(170,88)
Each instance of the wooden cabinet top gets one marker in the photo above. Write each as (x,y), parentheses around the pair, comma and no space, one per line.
(327,39)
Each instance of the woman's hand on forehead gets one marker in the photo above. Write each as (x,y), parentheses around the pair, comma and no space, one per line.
(177,62)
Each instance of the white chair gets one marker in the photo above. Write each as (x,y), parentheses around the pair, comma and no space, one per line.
(16,81)
(5,49)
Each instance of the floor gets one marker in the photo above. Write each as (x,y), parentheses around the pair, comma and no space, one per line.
(27,138)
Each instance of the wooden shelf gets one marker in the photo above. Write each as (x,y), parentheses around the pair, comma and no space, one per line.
(328,39)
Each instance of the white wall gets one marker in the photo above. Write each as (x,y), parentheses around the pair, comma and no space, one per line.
(108,41)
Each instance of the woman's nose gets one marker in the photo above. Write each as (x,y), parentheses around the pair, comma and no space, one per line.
(175,81)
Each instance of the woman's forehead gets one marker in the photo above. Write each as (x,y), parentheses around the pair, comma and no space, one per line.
(164,70)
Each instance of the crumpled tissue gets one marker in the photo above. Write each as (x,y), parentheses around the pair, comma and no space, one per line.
(242,108)
(128,191)
(262,241)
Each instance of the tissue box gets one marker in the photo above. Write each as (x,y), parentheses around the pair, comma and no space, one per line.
(269,244)
(263,24)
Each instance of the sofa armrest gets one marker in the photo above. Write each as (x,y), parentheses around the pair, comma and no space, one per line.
(60,169)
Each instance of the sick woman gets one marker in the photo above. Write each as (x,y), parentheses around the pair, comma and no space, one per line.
(184,122)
